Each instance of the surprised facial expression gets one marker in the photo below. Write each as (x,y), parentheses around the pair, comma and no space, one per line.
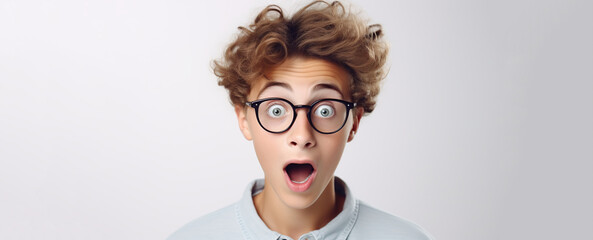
(300,162)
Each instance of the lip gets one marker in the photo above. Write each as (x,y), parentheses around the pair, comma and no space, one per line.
(300,187)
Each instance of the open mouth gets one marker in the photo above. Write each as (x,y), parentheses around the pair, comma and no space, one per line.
(299,173)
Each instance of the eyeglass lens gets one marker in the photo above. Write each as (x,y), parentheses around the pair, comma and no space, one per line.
(326,116)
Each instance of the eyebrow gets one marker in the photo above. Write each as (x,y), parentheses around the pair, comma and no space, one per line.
(328,86)
(271,83)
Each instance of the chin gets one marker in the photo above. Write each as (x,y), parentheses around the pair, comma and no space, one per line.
(302,200)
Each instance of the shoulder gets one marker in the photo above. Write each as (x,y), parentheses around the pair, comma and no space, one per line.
(376,224)
(221,224)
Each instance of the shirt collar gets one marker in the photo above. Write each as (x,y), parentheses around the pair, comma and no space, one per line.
(254,228)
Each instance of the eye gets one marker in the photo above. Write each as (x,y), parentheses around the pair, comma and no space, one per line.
(276,111)
(324,111)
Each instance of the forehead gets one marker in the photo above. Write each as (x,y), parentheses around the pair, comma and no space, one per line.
(304,74)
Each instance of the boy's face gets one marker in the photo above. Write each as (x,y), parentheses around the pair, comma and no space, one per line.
(299,163)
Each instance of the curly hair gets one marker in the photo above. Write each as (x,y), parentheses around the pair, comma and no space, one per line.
(320,29)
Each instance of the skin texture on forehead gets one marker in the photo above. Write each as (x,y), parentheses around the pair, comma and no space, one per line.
(325,74)
(300,80)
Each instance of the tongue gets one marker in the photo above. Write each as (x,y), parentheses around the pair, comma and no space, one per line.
(299,172)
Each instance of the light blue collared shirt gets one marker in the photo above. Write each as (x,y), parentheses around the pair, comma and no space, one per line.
(357,221)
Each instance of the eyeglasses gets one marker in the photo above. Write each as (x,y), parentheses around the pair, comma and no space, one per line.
(326,116)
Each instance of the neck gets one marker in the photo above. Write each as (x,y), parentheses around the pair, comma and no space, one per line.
(294,222)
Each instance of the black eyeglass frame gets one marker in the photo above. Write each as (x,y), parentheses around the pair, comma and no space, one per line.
(255,104)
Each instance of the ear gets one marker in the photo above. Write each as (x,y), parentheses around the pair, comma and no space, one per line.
(241,112)
(357,115)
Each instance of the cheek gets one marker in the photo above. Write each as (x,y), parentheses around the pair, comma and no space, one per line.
(266,145)
(333,146)
(267,155)
(341,137)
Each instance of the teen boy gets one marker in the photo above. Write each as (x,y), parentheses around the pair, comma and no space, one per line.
(300,86)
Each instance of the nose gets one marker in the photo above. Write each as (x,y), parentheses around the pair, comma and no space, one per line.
(301,134)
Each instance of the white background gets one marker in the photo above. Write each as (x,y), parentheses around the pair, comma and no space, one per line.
(112,125)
